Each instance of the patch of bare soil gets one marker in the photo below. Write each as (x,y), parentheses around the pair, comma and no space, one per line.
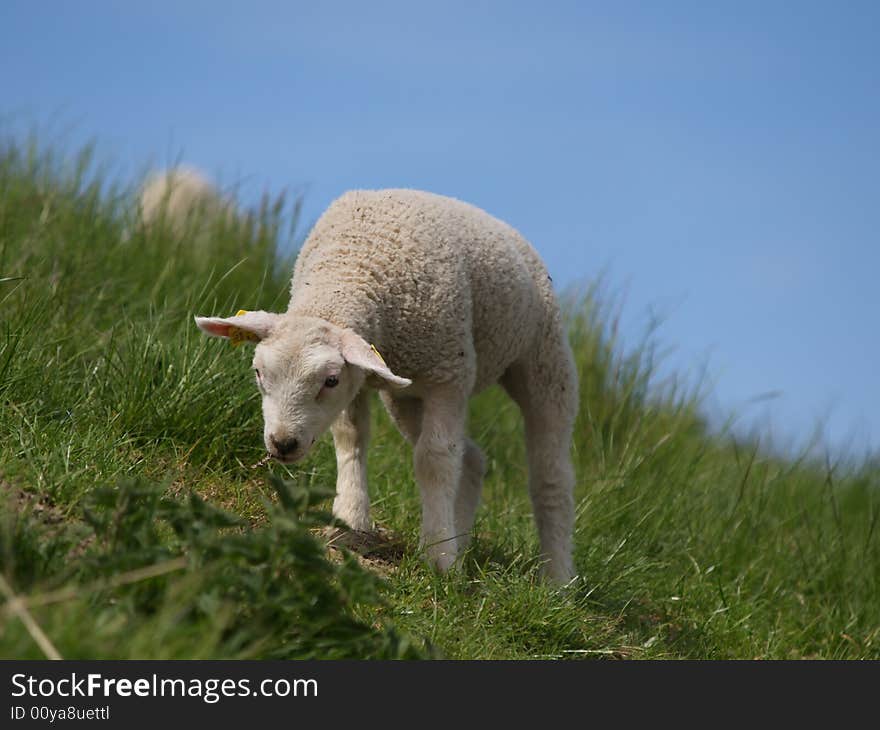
(39,505)
(379,550)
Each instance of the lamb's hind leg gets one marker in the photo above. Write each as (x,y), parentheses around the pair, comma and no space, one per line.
(351,436)
(547,397)
(551,486)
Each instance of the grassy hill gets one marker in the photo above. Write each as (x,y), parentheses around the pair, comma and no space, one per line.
(133,525)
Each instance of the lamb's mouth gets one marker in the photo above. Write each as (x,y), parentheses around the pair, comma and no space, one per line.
(286,458)
(280,458)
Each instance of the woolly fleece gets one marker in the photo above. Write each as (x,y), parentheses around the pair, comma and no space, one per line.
(444,290)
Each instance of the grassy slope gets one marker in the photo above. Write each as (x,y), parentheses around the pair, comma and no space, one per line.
(115,409)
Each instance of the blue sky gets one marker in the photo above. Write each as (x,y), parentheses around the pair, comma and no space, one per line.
(719,161)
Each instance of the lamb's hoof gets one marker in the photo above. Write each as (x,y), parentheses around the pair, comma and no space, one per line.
(560,573)
(441,555)
(443,563)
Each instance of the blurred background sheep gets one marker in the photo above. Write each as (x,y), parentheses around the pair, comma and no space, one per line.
(185,200)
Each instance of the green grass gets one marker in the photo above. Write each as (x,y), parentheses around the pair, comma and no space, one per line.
(132,525)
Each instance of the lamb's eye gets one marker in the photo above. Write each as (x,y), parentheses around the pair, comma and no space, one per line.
(331,382)
(257,373)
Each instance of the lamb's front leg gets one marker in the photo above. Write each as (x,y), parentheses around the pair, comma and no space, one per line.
(351,436)
(438,458)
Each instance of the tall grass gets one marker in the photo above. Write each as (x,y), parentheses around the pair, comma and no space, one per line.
(134,526)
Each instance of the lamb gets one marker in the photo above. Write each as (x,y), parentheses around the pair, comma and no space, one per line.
(182,197)
(455,300)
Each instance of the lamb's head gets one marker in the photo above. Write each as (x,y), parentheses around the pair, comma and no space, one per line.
(307,369)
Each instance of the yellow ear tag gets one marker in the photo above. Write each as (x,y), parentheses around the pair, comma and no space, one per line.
(237,335)
(376,353)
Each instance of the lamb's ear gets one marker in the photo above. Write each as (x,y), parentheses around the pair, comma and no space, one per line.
(243,327)
(357,351)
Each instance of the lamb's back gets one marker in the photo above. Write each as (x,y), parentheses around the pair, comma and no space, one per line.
(433,281)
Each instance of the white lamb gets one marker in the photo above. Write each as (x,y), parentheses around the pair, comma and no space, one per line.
(181,198)
(455,301)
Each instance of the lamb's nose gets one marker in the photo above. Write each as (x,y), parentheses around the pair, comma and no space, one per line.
(285,446)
